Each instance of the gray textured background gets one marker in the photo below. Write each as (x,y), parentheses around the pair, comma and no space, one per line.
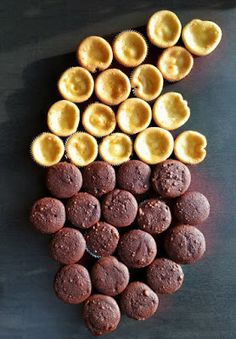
(37,39)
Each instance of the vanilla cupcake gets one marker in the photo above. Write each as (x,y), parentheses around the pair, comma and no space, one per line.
(81,149)
(130,48)
(63,118)
(201,37)
(134,115)
(94,53)
(170,111)
(112,86)
(175,63)
(116,148)
(76,84)
(154,145)
(164,29)
(190,147)
(47,149)
(99,120)
(147,82)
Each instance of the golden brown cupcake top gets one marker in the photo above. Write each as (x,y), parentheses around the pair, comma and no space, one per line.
(134,115)
(170,111)
(201,37)
(81,149)
(112,86)
(76,84)
(63,118)
(164,29)
(99,120)
(190,147)
(175,63)
(130,48)
(116,148)
(47,149)
(147,82)
(94,53)
(154,145)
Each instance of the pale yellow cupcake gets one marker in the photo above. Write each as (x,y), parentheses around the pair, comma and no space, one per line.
(81,149)
(76,84)
(99,120)
(112,86)
(164,29)
(116,148)
(170,111)
(63,118)
(94,53)
(175,63)
(154,145)
(130,48)
(47,149)
(134,115)
(201,37)
(147,82)
(190,147)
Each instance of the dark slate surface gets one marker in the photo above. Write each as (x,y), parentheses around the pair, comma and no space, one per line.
(37,39)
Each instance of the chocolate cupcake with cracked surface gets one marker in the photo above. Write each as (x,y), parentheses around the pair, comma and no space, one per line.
(48,215)
(137,249)
(64,180)
(99,178)
(109,276)
(185,244)
(101,314)
(67,246)
(153,216)
(138,301)
(164,276)
(119,208)
(72,284)
(192,208)
(102,239)
(83,210)
(171,178)
(134,176)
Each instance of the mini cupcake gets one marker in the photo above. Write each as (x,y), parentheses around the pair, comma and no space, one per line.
(116,148)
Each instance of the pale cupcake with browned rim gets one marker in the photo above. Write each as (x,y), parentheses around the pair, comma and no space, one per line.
(76,84)
(134,115)
(147,82)
(130,48)
(112,86)
(99,119)
(175,63)
(170,111)
(164,29)
(94,53)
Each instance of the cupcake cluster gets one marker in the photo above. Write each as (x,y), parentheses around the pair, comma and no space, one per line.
(122,228)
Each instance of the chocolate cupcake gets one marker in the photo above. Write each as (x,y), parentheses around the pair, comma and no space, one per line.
(138,301)
(192,208)
(102,239)
(67,246)
(83,210)
(48,215)
(134,176)
(109,276)
(164,276)
(185,244)
(72,284)
(101,314)
(153,216)
(137,249)
(119,208)
(63,180)
(99,178)
(171,178)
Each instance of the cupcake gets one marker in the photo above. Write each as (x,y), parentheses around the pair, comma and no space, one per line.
(116,148)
